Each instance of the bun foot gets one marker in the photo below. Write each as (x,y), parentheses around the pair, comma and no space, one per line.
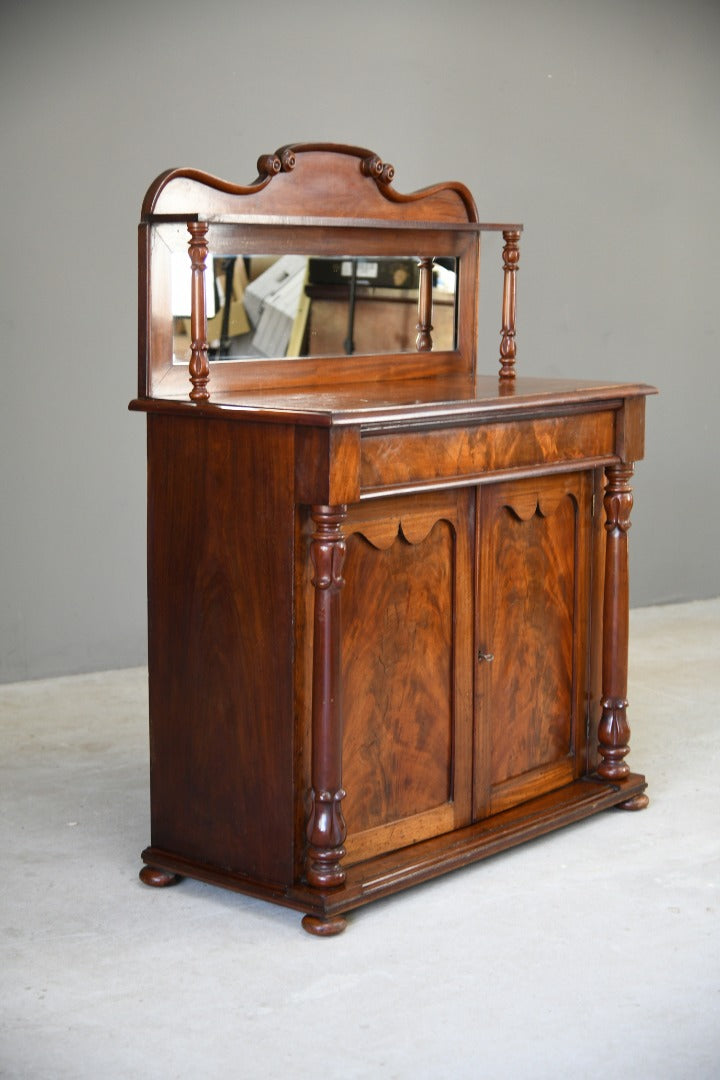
(638,802)
(150,875)
(324,927)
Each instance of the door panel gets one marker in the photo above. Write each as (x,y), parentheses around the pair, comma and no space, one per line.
(407,674)
(533,577)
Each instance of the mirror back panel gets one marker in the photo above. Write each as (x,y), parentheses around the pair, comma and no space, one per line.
(317,271)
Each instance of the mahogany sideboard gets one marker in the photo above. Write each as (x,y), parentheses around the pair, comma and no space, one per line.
(387,595)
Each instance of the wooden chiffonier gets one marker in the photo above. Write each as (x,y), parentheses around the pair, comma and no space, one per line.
(388,596)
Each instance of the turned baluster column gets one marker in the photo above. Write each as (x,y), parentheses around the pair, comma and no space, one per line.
(199,367)
(614,730)
(511,258)
(423,341)
(326,827)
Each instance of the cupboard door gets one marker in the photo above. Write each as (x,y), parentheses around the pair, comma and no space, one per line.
(534,567)
(407,670)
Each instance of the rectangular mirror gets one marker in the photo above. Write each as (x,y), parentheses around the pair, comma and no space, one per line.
(274,306)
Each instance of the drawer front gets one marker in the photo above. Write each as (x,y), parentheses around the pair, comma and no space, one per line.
(416,458)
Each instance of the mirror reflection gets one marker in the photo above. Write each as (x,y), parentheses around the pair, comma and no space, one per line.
(264,306)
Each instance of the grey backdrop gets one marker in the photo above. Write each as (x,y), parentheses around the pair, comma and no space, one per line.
(593,121)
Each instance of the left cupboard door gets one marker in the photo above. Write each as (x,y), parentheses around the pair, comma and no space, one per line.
(407,631)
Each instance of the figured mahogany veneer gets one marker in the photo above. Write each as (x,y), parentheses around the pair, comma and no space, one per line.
(387,596)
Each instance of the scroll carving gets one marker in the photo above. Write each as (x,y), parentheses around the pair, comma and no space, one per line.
(379,170)
(326,826)
(614,730)
(287,159)
(388,174)
(511,258)
(199,366)
(268,165)
(371,166)
(272,164)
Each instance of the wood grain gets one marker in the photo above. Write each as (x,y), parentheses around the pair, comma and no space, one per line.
(395,460)
(535,554)
(406,645)
(220,643)
(326,823)
(329,180)
(614,730)
(387,596)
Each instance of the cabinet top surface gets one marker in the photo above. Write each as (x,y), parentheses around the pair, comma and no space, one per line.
(438,400)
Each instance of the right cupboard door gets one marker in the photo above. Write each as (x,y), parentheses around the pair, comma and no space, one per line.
(534,560)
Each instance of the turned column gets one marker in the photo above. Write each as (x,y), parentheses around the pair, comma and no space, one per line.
(423,341)
(326,826)
(614,730)
(511,258)
(199,367)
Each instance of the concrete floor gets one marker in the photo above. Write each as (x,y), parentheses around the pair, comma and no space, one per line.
(594,952)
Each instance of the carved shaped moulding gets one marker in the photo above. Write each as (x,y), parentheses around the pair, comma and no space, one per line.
(383,534)
(525,506)
(327,179)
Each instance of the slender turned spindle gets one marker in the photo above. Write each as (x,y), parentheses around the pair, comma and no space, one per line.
(199,366)
(511,258)
(423,341)
(614,730)
(326,826)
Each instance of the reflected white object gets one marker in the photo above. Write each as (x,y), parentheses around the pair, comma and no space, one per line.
(271,281)
(280,306)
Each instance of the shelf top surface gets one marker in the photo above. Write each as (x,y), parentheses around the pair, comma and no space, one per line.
(441,399)
(317,222)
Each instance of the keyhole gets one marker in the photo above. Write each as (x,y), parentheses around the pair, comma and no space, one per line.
(487,656)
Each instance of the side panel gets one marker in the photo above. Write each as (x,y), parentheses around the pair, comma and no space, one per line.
(533,626)
(220,583)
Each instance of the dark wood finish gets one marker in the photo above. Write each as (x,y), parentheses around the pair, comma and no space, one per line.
(424,324)
(636,802)
(388,597)
(407,670)
(334,204)
(410,459)
(159,879)
(614,731)
(401,869)
(535,544)
(511,258)
(199,367)
(326,826)
(220,642)
(324,927)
